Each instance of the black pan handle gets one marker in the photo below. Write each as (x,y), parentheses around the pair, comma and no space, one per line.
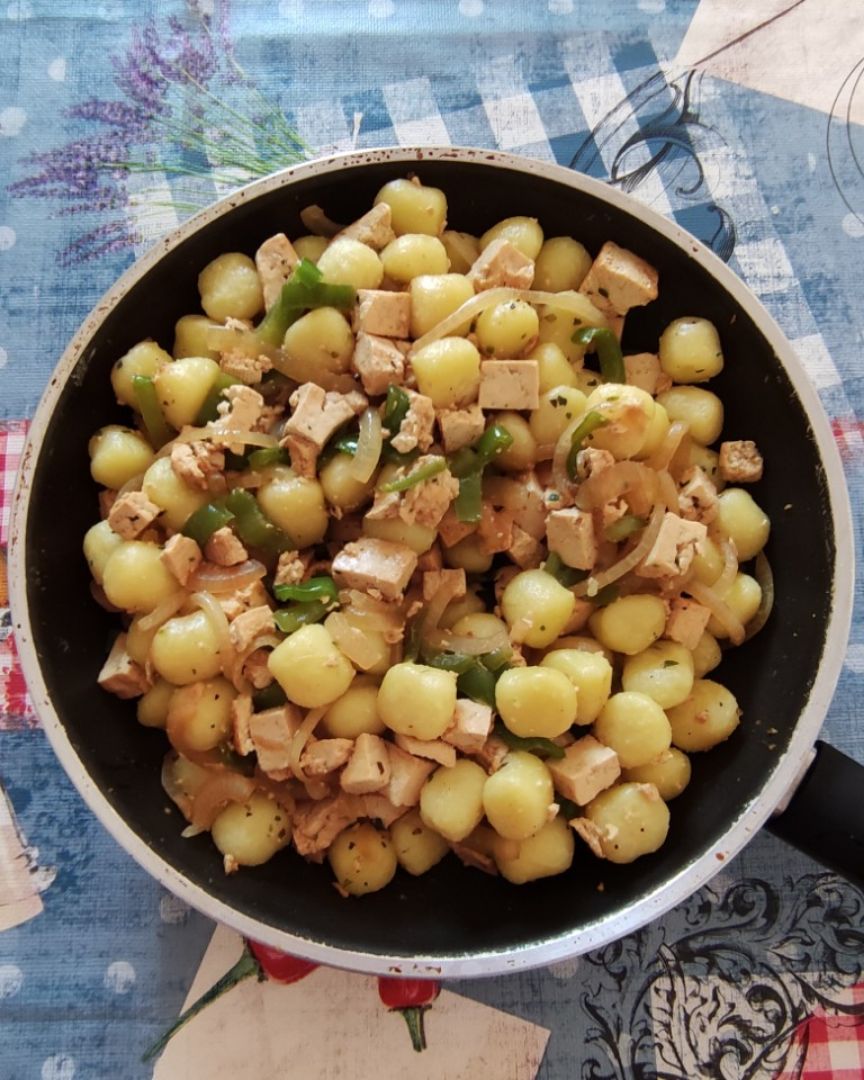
(825,815)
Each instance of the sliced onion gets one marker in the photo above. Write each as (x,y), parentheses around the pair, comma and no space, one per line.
(730,566)
(317,222)
(444,594)
(369,444)
(216,616)
(300,738)
(162,612)
(662,456)
(630,560)
(667,490)
(560,476)
(462,643)
(764,575)
(361,650)
(133,484)
(225,579)
(631,479)
(224,787)
(577,304)
(708,597)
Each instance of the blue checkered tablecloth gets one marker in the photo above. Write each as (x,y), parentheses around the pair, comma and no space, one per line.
(109,114)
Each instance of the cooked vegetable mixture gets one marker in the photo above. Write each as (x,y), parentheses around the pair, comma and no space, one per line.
(412,560)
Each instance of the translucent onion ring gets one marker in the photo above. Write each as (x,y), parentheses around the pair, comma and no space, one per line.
(224,787)
(579,305)
(226,579)
(369,444)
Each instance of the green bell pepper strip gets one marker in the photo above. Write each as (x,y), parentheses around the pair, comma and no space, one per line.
(464,462)
(267,456)
(467,466)
(396,409)
(534,744)
(477,683)
(209,410)
(624,527)
(497,660)
(608,350)
(271,697)
(252,526)
(306,273)
(468,504)
(303,291)
(563,574)
(447,661)
(425,472)
(590,422)
(205,521)
(494,441)
(316,588)
(292,617)
(605,596)
(159,431)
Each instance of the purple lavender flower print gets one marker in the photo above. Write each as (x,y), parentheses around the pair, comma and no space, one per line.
(186,117)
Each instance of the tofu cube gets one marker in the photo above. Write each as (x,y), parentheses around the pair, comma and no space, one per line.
(433,580)
(387,314)
(368,769)
(686,622)
(674,549)
(570,534)
(407,776)
(509,384)
(740,462)
(502,263)
(619,280)
(587,768)
(374,228)
(643,370)
(460,427)
(368,564)
(120,674)
(472,722)
(275,261)
(378,362)
(441,753)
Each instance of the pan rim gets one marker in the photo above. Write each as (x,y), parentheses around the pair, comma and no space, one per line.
(601,931)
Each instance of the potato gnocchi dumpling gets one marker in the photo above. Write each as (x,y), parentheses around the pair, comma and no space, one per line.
(417,557)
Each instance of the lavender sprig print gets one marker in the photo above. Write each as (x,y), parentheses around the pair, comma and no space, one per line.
(187,123)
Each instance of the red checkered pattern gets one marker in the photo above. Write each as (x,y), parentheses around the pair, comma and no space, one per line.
(12,436)
(15,709)
(829,1046)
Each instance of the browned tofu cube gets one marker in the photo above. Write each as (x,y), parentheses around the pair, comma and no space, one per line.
(587,768)
(509,384)
(368,564)
(387,314)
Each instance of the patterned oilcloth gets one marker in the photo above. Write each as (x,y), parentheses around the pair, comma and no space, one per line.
(120,117)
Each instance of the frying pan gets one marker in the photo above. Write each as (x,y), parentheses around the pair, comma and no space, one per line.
(452,921)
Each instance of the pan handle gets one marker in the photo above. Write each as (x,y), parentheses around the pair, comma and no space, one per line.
(824,817)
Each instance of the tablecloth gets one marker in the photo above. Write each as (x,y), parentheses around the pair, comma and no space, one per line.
(118,118)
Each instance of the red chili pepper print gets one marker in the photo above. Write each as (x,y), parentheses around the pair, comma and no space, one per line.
(411,998)
(259,960)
